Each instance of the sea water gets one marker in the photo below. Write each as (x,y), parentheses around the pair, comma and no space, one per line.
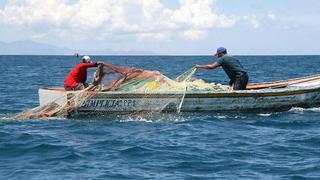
(282,145)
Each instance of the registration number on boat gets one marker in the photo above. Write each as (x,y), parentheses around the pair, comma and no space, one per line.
(110,103)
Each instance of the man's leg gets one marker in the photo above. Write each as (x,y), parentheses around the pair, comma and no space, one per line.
(85,85)
(80,86)
(244,81)
(241,82)
(68,88)
(231,83)
(236,84)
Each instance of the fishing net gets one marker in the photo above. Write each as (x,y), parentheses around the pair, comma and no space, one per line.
(132,80)
(113,78)
(72,100)
(128,80)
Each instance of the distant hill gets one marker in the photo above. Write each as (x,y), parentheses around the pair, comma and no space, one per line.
(114,52)
(31,48)
(34,48)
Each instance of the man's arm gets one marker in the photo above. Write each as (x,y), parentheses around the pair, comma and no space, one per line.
(89,65)
(208,66)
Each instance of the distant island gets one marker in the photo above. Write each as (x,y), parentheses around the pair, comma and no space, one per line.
(29,47)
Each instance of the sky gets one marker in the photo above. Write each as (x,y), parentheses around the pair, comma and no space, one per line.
(167,27)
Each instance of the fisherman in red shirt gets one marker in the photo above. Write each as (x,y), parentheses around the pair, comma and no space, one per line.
(76,79)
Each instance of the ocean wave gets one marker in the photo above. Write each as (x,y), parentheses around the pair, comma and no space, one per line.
(265,114)
(4,134)
(66,157)
(137,150)
(298,109)
(153,117)
(45,147)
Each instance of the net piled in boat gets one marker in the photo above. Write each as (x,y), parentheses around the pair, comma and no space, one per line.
(113,78)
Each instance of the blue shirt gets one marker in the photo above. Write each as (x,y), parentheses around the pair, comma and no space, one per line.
(231,66)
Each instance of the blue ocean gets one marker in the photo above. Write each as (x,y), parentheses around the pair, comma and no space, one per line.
(233,145)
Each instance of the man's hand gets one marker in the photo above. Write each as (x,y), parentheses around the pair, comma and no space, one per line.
(100,62)
(197,66)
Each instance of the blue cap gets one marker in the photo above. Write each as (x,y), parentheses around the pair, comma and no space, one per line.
(220,50)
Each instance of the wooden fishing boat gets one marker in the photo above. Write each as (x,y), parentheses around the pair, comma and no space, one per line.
(273,96)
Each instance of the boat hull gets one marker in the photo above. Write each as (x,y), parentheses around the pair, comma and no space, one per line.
(247,100)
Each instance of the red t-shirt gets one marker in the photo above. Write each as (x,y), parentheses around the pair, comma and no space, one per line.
(78,74)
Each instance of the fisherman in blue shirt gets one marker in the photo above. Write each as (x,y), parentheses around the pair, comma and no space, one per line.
(235,71)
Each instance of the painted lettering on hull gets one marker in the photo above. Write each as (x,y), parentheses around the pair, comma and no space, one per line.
(110,103)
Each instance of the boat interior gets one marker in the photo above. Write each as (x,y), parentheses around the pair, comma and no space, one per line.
(263,85)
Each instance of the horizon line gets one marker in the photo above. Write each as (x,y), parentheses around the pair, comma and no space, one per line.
(158,54)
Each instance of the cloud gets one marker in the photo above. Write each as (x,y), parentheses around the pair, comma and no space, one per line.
(153,36)
(141,18)
(271,15)
(193,34)
(253,21)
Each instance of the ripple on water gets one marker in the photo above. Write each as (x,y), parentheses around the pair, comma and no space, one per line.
(296,109)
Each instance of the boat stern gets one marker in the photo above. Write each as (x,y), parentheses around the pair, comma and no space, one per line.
(48,95)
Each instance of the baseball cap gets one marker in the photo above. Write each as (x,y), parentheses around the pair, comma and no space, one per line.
(86,59)
(220,50)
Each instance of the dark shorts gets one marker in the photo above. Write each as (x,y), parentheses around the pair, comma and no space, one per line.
(240,83)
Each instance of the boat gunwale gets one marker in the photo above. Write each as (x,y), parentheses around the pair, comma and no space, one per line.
(196,94)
